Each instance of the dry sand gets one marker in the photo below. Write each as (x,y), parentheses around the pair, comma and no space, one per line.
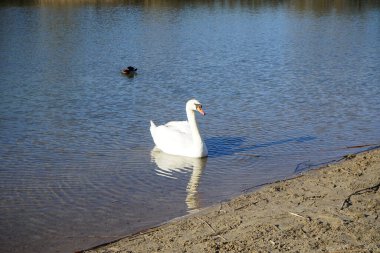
(331,209)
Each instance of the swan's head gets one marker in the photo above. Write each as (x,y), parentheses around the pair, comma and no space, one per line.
(195,105)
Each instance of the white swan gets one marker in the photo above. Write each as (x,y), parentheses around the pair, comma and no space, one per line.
(181,137)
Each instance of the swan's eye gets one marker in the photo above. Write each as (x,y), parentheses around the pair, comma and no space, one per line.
(198,106)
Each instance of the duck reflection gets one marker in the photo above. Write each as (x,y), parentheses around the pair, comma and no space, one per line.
(170,165)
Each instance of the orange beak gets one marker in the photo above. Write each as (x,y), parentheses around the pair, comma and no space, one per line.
(200,110)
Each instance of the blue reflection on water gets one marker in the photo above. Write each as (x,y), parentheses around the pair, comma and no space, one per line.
(221,146)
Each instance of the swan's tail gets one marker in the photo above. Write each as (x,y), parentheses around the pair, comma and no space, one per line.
(153,130)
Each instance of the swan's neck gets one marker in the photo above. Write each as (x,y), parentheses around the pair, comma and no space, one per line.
(194,127)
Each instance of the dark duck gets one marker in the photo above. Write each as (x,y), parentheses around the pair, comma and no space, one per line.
(129,71)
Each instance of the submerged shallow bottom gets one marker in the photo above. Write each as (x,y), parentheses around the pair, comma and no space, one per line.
(334,209)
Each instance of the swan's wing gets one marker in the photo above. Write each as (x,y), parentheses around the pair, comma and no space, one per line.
(179,126)
(175,132)
(172,137)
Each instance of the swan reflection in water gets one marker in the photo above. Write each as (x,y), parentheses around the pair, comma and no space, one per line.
(169,165)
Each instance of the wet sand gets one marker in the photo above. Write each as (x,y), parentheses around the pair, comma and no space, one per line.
(334,208)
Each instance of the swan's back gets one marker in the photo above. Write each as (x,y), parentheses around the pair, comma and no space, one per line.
(178,126)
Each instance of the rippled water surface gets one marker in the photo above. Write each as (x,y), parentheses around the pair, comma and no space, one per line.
(285,86)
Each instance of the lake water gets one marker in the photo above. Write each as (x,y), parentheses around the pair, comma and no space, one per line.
(285,85)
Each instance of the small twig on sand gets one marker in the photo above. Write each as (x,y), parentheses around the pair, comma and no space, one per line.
(348,251)
(244,206)
(208,224)
(220,209)
(273,182)
(347,202)
(297,215)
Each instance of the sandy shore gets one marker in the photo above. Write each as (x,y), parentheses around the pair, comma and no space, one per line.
(331,209)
